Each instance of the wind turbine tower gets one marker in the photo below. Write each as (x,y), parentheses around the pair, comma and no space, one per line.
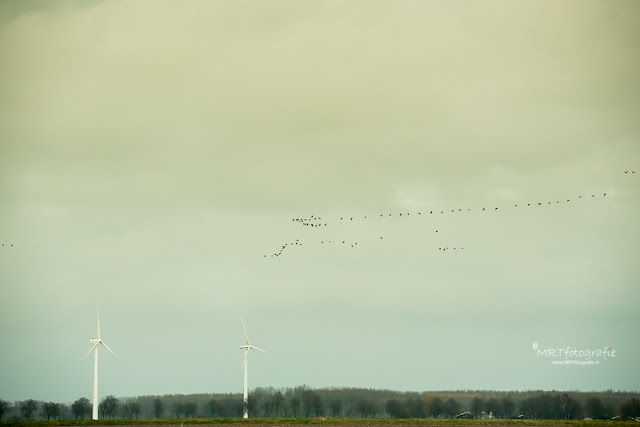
(96,342)
(246,349)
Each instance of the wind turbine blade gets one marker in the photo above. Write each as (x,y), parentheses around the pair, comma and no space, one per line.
(92,348)
(259,349)
(98,308)
(105,346)
(244,361)
(245,330)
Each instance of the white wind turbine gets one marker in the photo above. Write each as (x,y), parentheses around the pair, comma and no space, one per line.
(96,341)
(246,349)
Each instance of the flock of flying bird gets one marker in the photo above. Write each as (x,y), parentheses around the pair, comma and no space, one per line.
(316,221)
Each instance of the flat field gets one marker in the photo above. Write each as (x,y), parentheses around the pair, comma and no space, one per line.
(327,422)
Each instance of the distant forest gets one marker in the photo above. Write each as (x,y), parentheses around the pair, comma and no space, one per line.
(306,402)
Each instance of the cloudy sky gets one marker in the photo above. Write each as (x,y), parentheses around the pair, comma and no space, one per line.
(154,156)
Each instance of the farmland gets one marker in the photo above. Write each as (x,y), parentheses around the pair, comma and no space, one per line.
(328,422)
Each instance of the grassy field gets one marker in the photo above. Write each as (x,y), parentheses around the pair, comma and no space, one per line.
(328,422)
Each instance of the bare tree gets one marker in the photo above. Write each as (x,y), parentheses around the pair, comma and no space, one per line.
(109,406)
(131,409)
(366,408)
(508,407)
(493,407)
(433,405)
(51,410)
(190,409)
(64,411)
(635,406)
(267,404)
(277,400)
(451,407)
(178,409)
(214,407)
(395,408)
(81,407)
(158,408)
(593,407)
(476,406)
(336,407)
(4,408)
(28,409)
(625,410)
(294,403)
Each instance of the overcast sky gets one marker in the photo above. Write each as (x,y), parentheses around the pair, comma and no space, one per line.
(154,154)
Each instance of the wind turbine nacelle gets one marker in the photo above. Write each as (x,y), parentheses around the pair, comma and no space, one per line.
(95,340)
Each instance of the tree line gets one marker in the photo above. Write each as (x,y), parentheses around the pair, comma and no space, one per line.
(306,402)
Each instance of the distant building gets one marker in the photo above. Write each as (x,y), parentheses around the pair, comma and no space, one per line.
(464,416)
